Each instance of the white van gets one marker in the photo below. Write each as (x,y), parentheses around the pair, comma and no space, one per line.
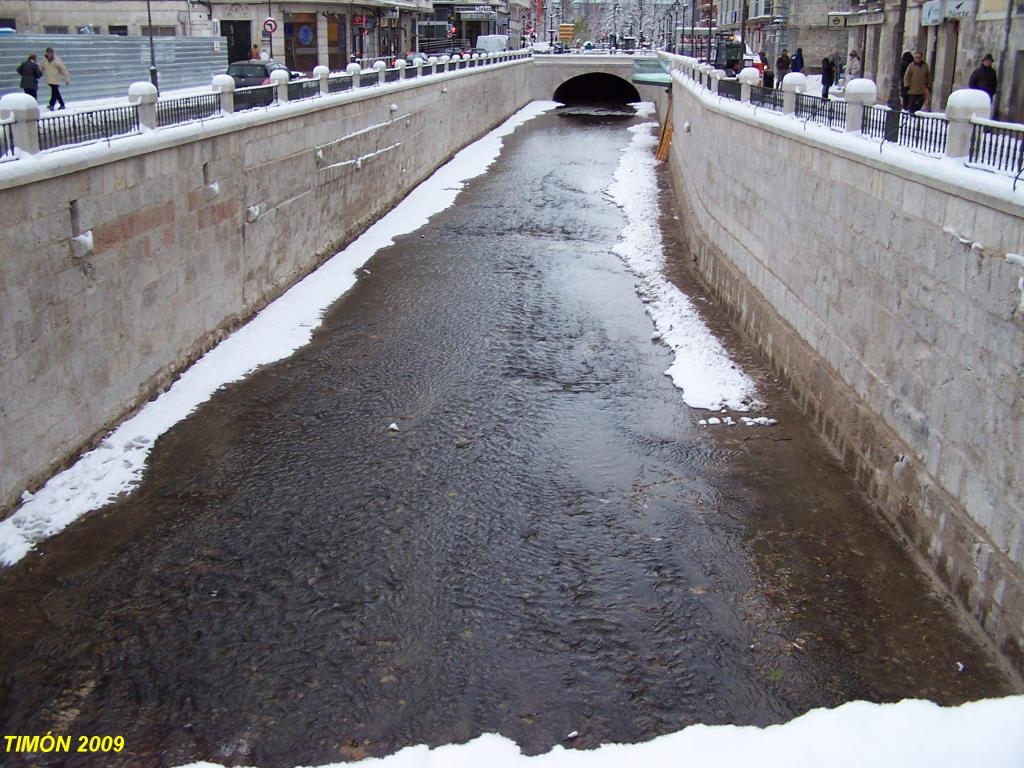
(492,43)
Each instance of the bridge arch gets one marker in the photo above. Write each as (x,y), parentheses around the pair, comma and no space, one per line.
(596,87)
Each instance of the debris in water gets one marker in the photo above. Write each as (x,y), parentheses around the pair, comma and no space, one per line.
(572,735)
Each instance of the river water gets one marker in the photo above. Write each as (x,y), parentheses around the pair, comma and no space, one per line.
(550,541)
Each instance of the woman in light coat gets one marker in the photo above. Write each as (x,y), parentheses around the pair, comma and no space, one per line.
(55,73)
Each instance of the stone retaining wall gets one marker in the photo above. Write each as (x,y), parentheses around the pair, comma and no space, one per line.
(885,298)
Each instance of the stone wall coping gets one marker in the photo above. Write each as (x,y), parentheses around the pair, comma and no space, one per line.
(910,169)
(59,163)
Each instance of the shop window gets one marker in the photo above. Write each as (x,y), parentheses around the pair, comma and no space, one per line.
(118,29)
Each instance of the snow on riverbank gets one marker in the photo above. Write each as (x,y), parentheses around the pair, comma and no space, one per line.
(702,368)
(282,327)
(910,734)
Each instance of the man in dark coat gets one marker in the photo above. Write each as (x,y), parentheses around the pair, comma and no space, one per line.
(30,74)
(782,66)
(797,65)
(828,76)
(984,78)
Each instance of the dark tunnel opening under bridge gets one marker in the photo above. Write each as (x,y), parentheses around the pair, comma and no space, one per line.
(596,88)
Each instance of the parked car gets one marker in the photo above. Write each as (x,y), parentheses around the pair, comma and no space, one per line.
(414,56)
(255,72)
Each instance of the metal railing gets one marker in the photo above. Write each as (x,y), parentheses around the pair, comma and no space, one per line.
(368,77)
(339,84)
(768,98)
(923,131)
(826,112)
(997,145)
(303,89)
(873,121)
(188,109)
(257,96)
(83,127)
(6,142)
(730,89)
(411,72)
(391,75)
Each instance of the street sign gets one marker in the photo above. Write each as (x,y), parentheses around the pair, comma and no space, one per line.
(269,25)
(566,31)
(836,20)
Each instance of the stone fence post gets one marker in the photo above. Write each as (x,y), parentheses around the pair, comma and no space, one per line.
(401,64)
(961,106)
(444,62)
(792,84)
(715,77)
(143,95)
(323,74)
(225,86)
(432,61)
(354,71)
(22,111)
(280,77)
(860,92)
(748,76)
(380,66)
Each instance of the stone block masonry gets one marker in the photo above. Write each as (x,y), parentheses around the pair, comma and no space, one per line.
(885,298)
(123,263)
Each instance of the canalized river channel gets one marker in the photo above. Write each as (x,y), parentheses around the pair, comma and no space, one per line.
(549,543)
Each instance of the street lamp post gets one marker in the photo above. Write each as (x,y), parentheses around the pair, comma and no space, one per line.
(675,22)
(153,76)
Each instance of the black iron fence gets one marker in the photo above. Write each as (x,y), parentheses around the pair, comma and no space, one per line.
(997,145)
(927,134)
(83,127)
(411,72)
(188,109)
(339,84)
(257,96)
(873,122)
(768,98)
(730,89)
(823,111)
(303,89)
(391,75)
(6,142)
(368,77)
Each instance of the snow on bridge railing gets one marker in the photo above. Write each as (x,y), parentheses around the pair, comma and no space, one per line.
(23,130)
(962,132)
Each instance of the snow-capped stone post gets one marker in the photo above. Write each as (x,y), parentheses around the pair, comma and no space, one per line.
(401,64)
(432,61)
(354,70)
(380,66)
(142,96)
(860,92)
(715,78)
(22,111)
(475,62)
(792,84)
(323,74)
(455,61)
(961,106)
(279,78)
(225,86)
(748,76)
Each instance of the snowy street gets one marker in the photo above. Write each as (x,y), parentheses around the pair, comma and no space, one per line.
(499,467)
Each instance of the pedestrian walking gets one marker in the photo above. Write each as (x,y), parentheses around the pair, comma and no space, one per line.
(853,66)
(905,62)
(984,78)
(55,73)
(797,64)
(782,66)
(30,74)
(918,79)
(767,78)
(828,76)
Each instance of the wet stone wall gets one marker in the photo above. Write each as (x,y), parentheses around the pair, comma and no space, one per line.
(887,301)
(123,263)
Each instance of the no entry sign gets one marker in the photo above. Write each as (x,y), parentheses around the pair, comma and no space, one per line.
(269,26)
